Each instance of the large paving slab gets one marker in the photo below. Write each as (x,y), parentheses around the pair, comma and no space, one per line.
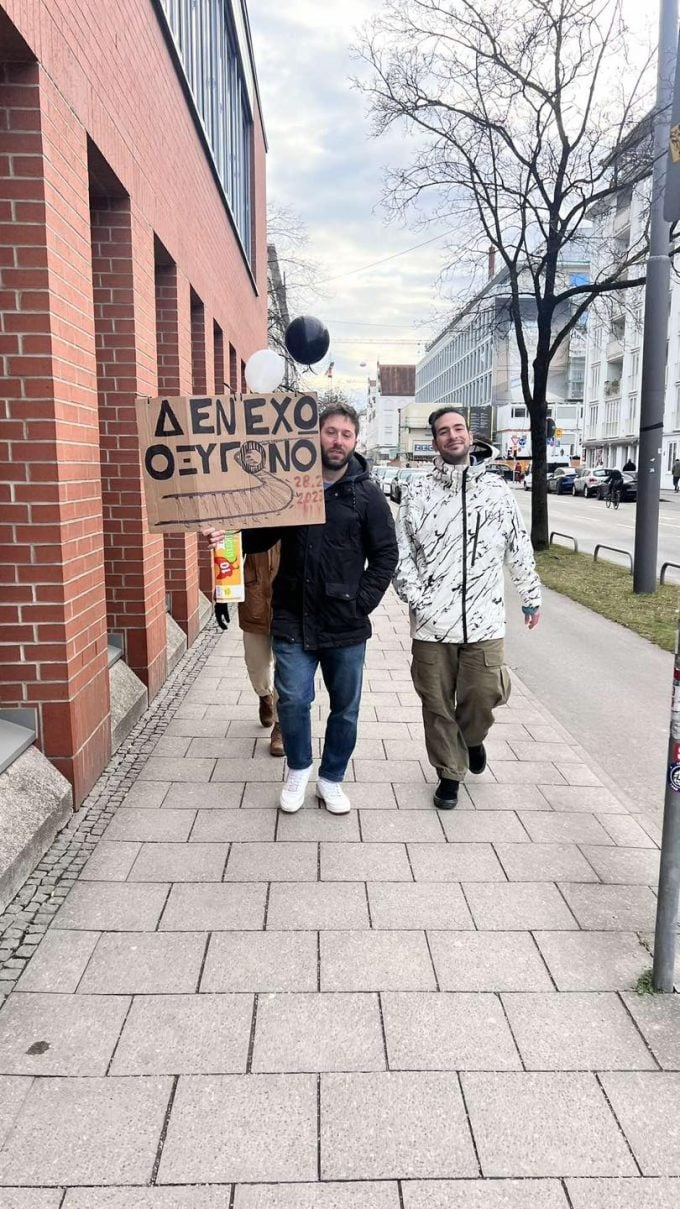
(60,1034)
(242,1128)
(405,1124)
(91,1131)
(547,1124)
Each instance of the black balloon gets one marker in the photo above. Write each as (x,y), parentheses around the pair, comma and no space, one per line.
(307,340)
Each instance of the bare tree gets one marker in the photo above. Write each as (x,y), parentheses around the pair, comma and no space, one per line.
(526,117)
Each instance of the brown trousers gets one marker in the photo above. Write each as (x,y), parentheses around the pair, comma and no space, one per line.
(459,685)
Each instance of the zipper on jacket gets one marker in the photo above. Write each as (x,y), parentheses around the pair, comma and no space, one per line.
(464,610)
(474,544)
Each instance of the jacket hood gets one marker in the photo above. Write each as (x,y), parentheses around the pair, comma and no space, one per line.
(357,469)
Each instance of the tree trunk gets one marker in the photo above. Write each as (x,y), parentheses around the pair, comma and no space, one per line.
(539,468)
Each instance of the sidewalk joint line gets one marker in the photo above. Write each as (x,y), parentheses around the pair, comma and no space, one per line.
(165,903)
(542,958)
(382,1029)
(429,951)
(164,1130)
(469,1124)
(230,845)
(120,1034)
(203,961)
(619,1126)
(499,996)
(628,1012)
(251,1038)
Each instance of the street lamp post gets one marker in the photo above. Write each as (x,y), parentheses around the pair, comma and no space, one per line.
(653,385)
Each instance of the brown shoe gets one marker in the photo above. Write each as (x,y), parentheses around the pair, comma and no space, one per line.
(276,741)
(266,710)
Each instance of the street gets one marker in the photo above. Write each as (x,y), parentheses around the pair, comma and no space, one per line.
(590,522)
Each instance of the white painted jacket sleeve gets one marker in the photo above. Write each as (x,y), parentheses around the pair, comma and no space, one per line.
(519,556)
(406,580)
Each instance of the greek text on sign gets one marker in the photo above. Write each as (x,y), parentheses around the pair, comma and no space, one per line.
(232,461)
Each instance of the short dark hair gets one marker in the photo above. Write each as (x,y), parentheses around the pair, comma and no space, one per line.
(437,415)
(339,409)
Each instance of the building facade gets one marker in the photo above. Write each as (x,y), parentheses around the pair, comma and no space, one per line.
(134,263)
(415,434)
(474,365)
(614,351)
(391,391)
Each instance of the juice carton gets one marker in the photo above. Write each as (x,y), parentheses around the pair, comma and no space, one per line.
(228,563)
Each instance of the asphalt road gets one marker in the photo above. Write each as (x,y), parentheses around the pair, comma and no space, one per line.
(590,522)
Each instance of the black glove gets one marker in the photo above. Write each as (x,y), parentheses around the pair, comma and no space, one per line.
(222,615)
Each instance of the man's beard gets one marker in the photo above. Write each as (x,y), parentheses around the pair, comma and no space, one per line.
(338,464)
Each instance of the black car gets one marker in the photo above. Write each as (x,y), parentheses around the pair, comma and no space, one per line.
(628,490)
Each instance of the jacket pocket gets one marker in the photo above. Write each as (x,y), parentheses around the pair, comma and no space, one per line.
(341,608)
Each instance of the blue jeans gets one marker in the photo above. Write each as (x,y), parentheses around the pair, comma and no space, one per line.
(342,670)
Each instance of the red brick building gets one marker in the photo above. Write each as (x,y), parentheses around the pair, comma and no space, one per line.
(133,261)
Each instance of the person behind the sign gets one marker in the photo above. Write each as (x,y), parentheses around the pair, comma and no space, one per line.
(330,578)
(255,620)
(457,526)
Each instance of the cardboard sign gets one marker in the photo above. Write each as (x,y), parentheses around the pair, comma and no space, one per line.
(232,462)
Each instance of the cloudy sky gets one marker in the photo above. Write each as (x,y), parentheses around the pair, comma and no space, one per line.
(325,166)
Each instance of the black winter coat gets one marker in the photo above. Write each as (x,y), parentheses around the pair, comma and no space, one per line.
(332,576)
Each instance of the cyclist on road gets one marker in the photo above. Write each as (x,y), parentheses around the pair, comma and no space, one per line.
(614,484)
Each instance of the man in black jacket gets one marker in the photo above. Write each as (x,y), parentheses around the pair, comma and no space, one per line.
(330,578)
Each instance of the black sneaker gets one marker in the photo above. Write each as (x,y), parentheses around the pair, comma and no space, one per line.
(477,758)
(446,794)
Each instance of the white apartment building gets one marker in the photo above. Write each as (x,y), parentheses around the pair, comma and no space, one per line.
(388,394)
(474,365)
(614,353)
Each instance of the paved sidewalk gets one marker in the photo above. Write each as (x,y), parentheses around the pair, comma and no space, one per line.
(398,1009)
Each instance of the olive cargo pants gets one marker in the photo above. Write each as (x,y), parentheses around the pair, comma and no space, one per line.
(459,685)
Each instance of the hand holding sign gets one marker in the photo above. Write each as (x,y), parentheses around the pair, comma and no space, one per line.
(240,461)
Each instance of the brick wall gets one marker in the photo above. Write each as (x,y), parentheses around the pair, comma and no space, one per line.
(68,385)
(53,651)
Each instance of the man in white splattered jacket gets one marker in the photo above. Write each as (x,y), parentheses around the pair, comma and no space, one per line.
(457,527)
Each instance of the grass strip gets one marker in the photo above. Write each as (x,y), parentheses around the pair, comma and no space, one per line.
(608,590)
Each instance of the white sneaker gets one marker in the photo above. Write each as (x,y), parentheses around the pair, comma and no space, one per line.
(293,792)
(332,796)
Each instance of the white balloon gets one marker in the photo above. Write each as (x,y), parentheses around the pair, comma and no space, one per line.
(264,370)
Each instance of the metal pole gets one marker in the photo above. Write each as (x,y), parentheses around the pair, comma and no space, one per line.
(669,872)
(653,388)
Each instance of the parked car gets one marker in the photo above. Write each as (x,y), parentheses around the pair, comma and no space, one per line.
(389,473)
(528,481)
(629,489)
(378,473)
(401,477)
(588,480)
(500,468)
(561,480)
